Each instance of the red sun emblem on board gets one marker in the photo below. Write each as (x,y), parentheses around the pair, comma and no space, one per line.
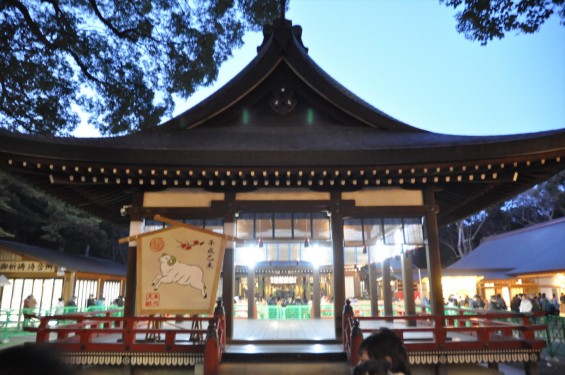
(157,244)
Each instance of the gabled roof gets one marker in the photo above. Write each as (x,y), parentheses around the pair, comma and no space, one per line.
(71,262)
(284,122)
(534,249)
(283,62)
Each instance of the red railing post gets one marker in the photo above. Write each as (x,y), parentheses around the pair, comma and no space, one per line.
(129,333)
(439,330)
(42,334)
(528,333)
(355,340)
(85,339)
(170,337)
(211,350)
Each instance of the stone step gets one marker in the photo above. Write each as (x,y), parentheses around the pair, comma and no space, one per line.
(284,352)
(327,368)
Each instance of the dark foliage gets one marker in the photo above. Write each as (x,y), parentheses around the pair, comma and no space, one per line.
(485,20)
(121,62)
(29,216)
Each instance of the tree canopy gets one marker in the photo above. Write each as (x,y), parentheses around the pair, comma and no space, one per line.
(30,216)
(120,62)
(485,20)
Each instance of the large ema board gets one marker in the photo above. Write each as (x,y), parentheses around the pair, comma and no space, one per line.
(178,270)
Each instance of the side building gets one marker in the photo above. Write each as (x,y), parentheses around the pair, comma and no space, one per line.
(49,275)
(528,260)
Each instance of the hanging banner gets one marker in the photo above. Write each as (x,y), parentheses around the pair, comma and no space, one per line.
(178,270)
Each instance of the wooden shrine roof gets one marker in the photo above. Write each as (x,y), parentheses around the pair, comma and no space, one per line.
(534,249)
(72,262)
(283,122)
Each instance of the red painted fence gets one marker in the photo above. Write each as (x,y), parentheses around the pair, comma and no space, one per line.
(470,338)
(164,338)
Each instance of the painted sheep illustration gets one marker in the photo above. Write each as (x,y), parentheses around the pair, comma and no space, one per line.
(180,273)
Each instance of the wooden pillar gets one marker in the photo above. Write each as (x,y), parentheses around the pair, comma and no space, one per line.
(316,291)
(432,252)
(261,283)
(339,264)
(356,284)
(251,292)
(387,292)
(408,284)
(228,276)
(100,291)
(373,289)
(135,227)
(123,286)
(68,286)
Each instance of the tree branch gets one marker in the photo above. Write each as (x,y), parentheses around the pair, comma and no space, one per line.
(17,121)
(2,91)
(34,27)
(478,228)
(451,247)
(127,33)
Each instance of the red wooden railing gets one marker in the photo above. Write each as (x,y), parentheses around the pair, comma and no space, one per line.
(35,318)
(481,331)
(83,333)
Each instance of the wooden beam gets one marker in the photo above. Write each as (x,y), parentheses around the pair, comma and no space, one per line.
(177,224)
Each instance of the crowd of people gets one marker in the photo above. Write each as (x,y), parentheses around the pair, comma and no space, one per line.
(30,303)
(520,303)
(526,304)
(384,353)
(283,302)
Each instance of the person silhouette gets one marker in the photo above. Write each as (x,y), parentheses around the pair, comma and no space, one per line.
(387,345)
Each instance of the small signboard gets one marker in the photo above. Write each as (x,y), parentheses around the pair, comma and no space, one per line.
(26,266)
(178,270)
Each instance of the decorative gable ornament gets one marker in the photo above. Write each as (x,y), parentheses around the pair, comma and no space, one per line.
(283,100)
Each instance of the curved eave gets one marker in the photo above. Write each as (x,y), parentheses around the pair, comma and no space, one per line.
(225,98)
(271,54)
(293,149)
(468,173)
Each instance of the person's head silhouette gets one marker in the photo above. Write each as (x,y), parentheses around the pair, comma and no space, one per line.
(385,344)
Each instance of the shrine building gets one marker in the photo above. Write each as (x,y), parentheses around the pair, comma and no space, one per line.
(312,182)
